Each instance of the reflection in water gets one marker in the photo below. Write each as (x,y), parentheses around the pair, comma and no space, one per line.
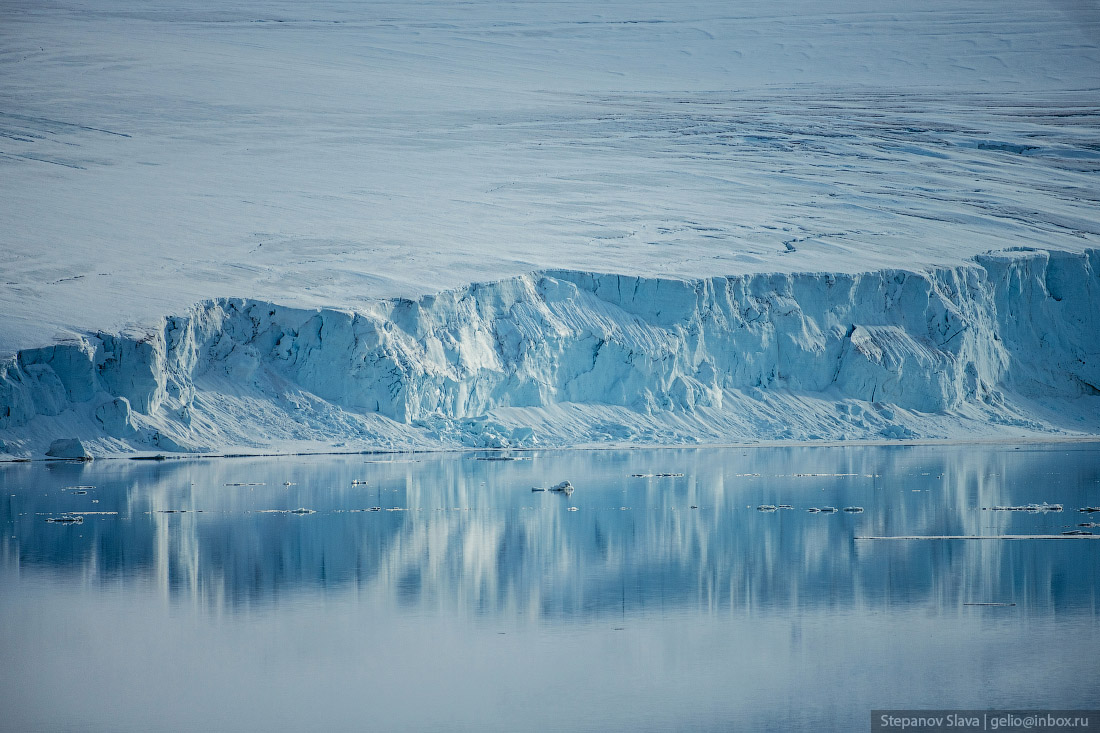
(457,533)
(426,564)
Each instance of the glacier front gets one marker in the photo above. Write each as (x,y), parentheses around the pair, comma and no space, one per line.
(1004,347)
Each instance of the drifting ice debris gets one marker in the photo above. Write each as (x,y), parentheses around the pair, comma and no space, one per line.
(766,508)
(66,519)
(565,487)
(68,448)
(853,509)
(1044,507)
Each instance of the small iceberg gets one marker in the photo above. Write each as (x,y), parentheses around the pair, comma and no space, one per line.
(70,448)
(564,487)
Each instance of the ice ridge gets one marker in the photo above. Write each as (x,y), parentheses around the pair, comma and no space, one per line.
(1006,346)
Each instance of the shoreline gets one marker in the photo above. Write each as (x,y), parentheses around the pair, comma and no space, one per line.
(986,441)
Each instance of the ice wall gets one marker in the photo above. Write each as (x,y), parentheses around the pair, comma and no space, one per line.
(1005,345)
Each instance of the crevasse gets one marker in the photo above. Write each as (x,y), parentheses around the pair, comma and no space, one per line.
(1005,346)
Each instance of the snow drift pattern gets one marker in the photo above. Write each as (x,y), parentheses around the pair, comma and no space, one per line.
(548,357)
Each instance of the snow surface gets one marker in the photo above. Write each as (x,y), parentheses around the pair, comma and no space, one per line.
(155,156)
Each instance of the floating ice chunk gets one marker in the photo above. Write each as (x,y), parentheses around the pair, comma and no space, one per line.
(68,448)
(66,519)
(564,487)
(1044,507)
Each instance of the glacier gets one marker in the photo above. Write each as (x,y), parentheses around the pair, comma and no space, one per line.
(1005,346)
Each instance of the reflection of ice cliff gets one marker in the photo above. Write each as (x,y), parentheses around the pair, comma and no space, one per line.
(1007,345)
(495,548)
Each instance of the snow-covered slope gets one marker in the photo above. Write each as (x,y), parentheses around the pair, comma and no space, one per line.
(1008,346)
(311,160)
(155,154)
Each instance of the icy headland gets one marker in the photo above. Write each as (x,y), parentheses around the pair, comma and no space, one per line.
(1005,347)
(254,224)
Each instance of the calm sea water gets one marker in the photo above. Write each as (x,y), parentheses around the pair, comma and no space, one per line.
(193,600)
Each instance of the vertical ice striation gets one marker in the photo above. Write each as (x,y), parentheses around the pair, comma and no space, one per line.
(563,357)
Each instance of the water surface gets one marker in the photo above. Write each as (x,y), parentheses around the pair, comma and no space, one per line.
(444,594)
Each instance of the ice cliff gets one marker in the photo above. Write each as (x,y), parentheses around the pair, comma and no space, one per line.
(1005,347)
